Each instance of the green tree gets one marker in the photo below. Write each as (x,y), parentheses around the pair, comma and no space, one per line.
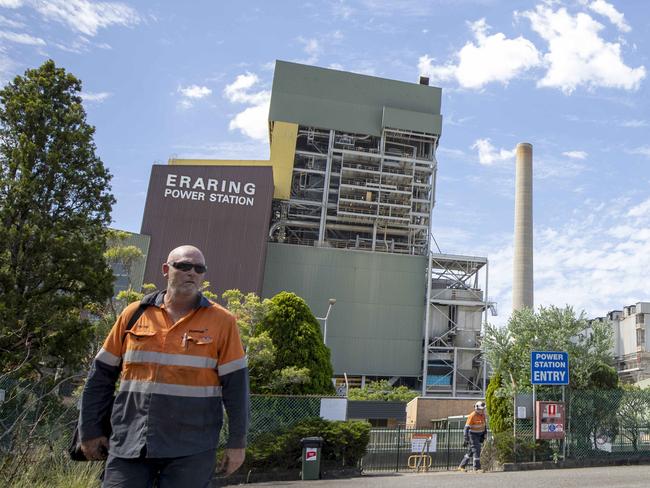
(120,255)
(499,406)
(634,413)
(550,329)
(55,202)
(250,310)
(382,390)
(298,343)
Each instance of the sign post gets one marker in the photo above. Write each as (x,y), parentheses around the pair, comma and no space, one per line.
(549,368)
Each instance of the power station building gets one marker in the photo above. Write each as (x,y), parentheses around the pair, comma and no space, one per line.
(342,209)
(631,351)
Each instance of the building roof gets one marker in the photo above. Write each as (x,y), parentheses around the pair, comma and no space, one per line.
(350,102)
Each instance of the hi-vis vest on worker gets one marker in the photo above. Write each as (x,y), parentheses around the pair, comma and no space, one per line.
(173,380)
(476,423)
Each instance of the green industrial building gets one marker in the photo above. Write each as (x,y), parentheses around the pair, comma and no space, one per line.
(354,172)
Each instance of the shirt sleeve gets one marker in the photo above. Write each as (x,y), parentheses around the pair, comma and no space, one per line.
(97,396)
(233,374)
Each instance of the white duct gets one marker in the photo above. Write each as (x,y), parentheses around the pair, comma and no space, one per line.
(522,279)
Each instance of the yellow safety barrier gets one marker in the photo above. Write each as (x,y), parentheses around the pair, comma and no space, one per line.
(420,461)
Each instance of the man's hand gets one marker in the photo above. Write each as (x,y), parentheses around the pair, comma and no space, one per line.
(95,449)
(466,442)
(232,460)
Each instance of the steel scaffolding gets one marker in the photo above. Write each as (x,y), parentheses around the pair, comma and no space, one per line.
(357,191)
(453,364)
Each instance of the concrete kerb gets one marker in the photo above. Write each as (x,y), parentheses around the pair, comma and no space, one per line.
(577,463)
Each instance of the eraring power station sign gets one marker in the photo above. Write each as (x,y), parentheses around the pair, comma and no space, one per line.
(224,191)
(549,368)
(223,210)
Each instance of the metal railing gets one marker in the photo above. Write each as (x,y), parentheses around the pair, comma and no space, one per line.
(407,449)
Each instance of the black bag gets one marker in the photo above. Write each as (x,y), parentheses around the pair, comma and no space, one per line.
(74,449)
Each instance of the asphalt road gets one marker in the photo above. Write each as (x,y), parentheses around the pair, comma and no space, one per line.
(608,477)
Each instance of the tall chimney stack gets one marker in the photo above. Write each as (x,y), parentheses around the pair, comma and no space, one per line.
(522,279)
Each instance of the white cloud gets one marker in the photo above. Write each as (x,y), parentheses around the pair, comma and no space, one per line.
(85,16)
(488,154)
(312,47)
(640,210)
(238,90)
(252,121)
(492,58)
(634,123)
(7,66)
(10,22)
(11,3)
(194,91)
(548,166)
(224,150)
(585,262)
(21,38)
(575,154)
(608,10)
(642,151)
(341,10)
(577,55)
(91,97)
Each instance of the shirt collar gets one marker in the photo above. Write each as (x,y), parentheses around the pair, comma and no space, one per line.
(159,300)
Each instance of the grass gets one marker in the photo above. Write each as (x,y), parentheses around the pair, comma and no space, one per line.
(42,468)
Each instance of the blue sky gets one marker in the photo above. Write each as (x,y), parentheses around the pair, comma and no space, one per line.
(193,79)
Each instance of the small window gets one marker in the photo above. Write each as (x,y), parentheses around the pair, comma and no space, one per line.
(640,318)
(640,337)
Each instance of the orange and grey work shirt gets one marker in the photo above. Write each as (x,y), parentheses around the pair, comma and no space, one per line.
(173,379)
(475,423)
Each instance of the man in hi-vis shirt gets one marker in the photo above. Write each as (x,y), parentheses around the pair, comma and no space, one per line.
(177,365)
(475,431)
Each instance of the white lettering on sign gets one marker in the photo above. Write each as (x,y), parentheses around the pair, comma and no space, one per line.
(555,376)
(550,364)
(221,191)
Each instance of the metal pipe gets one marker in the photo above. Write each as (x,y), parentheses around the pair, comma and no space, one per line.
(316,225)
(326,190)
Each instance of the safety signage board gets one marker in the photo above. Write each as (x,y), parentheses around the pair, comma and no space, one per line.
(549,368)
(549,420)
(424,443)
(310,454)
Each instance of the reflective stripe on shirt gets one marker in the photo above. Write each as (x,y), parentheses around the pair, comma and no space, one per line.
(108,358)
(232,366)
(169,389)
(133,356)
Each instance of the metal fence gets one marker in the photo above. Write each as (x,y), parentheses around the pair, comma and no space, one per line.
(403,449)
(599,424)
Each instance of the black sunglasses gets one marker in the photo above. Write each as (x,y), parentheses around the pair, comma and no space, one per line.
(185,266)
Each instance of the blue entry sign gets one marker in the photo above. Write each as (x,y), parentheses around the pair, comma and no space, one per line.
(549,368)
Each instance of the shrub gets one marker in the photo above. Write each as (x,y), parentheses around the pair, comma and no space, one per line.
(298,343)
(509,450)
(344,444)
(384,391)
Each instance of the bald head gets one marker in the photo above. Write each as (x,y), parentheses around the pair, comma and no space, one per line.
(185,270)
(185,252)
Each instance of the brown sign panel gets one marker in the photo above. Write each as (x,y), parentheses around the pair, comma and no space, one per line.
(550,420)
(222,210)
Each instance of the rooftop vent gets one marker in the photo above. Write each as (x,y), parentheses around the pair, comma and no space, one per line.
(424,80)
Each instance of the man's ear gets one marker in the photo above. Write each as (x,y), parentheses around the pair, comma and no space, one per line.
(165,269)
